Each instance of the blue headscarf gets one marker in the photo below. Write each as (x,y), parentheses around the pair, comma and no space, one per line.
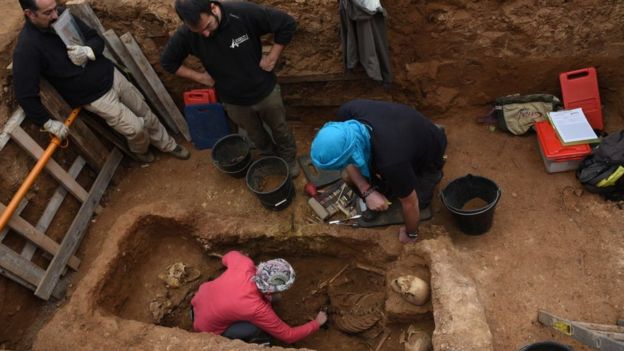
(339,144)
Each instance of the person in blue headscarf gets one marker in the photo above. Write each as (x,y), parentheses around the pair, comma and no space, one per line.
(385,150)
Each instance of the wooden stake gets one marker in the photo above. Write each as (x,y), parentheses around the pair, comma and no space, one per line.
(329,281)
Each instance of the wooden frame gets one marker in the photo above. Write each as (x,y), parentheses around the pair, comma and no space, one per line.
(19,267)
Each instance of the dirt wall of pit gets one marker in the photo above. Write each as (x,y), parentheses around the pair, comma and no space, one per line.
(444,54)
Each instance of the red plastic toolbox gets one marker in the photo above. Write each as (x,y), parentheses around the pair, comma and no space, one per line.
(200,97)
(558,157)
(580,89)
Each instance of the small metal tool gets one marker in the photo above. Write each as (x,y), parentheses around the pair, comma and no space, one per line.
(346,220)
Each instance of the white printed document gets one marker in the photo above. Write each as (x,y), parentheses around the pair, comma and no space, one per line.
(572,127)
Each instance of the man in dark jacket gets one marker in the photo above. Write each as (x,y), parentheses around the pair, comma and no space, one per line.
(84,78)
(226,39)
(387,149)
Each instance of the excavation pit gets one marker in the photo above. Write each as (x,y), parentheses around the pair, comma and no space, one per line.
(162,262)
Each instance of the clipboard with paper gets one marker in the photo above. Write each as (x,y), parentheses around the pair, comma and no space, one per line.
(67,29)
(572,127)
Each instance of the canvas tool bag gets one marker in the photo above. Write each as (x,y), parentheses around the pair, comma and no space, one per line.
(516,114)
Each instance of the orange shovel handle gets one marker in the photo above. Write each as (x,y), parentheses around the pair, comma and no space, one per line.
(34,173)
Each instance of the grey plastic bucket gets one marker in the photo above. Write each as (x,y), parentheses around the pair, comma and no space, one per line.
(461,190)
(546,346)
(270,180)
(232,155)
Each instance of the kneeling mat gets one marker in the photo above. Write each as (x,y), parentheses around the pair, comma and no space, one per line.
(394,215)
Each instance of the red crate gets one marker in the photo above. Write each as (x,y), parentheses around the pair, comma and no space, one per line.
(558,157)
(200,97)
(580,89)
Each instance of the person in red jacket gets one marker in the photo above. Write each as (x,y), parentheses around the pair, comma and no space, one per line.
(237,304)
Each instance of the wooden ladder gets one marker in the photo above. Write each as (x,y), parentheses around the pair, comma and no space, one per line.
(19,266)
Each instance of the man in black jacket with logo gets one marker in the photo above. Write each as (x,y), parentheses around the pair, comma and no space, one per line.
(226,39)
(83,77)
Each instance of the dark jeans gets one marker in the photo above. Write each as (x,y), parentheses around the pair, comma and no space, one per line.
(244,331)
(248,333)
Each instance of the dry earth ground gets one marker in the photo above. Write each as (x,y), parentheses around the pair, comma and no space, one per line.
(551,246)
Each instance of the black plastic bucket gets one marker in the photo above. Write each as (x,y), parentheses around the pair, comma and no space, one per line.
(270,180)
(546,346)
(457,193)
(232,155)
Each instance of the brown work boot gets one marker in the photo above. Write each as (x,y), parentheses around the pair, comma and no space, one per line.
(147,157)
(180,152)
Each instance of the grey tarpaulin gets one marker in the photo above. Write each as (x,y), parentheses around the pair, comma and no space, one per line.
(364,39)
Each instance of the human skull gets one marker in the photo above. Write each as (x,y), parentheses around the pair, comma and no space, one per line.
(412,289)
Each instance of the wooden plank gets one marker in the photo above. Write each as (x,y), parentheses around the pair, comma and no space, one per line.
(320,78)
(22,138)
(22,270)
(97,125)
(82,10)
(19,266)
(85,141)
(14,121)
(76,231)
(20,207)
(141,61)
(118,49)
(53,205)
(37,237)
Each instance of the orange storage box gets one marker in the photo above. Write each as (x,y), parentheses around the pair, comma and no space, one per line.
(580,89)
(200,97)
(558,157)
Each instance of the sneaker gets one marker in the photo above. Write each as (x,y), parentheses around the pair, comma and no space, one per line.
(180,152)
(293,169)
(147,157)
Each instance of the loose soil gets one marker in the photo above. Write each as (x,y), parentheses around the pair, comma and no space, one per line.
(474,204)
(552,246)
(270,183)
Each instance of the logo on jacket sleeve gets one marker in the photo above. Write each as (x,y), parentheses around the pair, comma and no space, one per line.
(236,42)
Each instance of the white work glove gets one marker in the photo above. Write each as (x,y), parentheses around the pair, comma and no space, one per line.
(57,128)
(80,54)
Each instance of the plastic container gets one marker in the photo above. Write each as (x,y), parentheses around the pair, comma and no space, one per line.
(546,346)
(200,97)
(556,156)
(207,123)
(270,180)
(460,191)
(232,155)
(580,89)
